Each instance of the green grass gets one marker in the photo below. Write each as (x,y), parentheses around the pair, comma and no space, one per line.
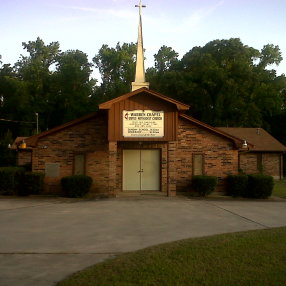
(280,189)
(246,258)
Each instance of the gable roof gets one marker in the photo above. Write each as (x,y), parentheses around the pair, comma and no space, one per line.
(261,139)
(180,106)
(33,140)
(236,140)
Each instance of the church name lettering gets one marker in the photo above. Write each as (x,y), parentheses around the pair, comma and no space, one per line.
(143,124)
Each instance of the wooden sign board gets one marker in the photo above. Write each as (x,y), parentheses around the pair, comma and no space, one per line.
(143,124)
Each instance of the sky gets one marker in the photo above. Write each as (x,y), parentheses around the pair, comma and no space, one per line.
(181,24)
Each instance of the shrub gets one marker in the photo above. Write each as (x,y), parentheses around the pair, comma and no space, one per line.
(236,185)
(259,186)
(10,180)
(31,184)
(76,186)
(27,167)
(204,185)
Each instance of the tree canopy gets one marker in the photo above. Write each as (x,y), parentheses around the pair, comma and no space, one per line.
(56,85)
(225,82)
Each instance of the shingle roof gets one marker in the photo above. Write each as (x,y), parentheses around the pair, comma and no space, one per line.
(260,138)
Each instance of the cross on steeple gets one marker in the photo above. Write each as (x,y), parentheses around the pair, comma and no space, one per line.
(140,70)
(140,6)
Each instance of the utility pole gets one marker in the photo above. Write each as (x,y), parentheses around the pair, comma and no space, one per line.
(37,120)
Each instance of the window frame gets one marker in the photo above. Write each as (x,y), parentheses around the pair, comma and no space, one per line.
(74,163)
(203,164)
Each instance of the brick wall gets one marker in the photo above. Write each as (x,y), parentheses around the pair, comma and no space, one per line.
(248,163)
(89,138)
(104,159)
(220,156)
(24,157)
(271,163)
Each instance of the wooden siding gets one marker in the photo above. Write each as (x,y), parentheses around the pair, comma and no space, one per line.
(142,102)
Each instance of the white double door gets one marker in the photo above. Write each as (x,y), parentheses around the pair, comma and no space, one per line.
(141,170)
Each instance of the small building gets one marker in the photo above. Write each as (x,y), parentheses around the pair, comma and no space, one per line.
(143,141)
(265,155)
(140,141)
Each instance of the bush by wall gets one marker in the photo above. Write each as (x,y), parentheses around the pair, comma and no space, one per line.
(204,185)
(259,186)
(236,185)
(76,186)
(10,180)
(31,184)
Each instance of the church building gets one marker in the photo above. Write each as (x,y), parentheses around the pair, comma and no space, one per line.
(143,142)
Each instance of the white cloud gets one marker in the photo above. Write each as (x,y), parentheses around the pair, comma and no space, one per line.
(192,21)
(110,12)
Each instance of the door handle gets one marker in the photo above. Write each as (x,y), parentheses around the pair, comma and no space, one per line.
(140,171)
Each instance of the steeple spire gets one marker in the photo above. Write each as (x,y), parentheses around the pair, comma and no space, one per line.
(140,70)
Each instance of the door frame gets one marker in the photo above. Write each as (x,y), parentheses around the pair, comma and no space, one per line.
(160,171)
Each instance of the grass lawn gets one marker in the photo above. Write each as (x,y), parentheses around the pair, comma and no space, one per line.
(246,258)
(280,189)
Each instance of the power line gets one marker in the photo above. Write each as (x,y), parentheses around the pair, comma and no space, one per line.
(17,121)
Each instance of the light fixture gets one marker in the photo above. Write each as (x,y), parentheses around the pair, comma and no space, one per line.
(23,145)
(244,145)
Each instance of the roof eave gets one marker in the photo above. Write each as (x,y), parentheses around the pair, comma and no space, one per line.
(237,141)
(180,106)
(33,140)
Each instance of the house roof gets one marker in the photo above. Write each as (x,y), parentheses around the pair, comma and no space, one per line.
(33,140)
(180,106)
(236,140)
(261,139)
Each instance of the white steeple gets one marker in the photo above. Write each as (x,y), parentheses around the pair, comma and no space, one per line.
(140,70)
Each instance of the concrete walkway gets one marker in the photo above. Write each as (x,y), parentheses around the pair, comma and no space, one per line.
(44,240)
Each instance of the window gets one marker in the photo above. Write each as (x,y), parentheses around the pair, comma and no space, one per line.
(198,164)
(79,164)
(259,163)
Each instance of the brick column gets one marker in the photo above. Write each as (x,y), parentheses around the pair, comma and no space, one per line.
(172,171)
(112,155)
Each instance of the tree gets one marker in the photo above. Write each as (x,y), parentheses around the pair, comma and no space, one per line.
(269,55)
(226,83)
(58,84)
(117,69)
(165,59)
(162,76)
(72,87)
(13,102)
(35,71)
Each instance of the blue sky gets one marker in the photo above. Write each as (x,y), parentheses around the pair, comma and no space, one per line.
(181,24)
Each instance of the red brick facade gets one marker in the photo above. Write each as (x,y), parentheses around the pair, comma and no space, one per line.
(271,163)
(103,160)
(85,141)
(220,156)
(89,138)
(24,157)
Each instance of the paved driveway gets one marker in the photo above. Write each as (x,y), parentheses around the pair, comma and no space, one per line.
(44,240)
